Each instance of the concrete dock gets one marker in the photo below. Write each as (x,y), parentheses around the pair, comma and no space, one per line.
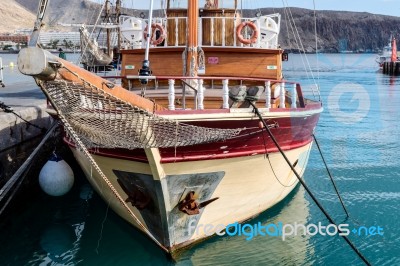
(27,100)
(391,68)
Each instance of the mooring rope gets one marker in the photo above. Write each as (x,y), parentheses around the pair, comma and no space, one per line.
(86,152)
(107,181)
(331,177)
(359,254)
(8,109)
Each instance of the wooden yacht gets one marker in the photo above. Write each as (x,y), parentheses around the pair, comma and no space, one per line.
(179,148)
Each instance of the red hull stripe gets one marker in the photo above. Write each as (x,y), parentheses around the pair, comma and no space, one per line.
(139,155)
(291,133)
(231,155)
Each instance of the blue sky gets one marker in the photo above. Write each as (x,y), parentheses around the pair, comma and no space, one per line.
(385,7)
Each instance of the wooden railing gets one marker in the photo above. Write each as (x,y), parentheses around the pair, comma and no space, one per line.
(214,31)
(277,93)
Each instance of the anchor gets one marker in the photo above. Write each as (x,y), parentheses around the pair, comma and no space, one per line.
(190,206)
(137,195)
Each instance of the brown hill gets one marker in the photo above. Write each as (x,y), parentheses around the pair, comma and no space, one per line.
(340,30)
(65,11)
(337,30)
(14,16)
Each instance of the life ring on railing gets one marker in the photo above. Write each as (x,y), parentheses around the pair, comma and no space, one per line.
(154,27)
(253,37)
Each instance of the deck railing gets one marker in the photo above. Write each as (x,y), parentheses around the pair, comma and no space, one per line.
(287,94)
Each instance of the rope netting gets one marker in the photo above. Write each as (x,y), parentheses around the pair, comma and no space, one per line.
(103,121)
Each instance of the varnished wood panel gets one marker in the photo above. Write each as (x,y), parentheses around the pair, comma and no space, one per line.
(234,62)
(217,25)
(171,27)
(243,63)
(165,62)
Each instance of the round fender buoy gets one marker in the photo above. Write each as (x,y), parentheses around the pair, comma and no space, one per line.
(56,177)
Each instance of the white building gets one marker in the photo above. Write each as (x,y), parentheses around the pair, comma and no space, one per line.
(46,37)
(23,31)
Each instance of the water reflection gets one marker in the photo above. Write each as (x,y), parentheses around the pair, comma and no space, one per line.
(265,250)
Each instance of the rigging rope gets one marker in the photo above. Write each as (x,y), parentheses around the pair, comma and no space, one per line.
(296,35)
(201,58)
(90,35)
(316,39)
(360,255)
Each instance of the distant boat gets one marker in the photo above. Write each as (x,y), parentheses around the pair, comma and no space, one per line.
(389,53)
(92,57)
(179,149)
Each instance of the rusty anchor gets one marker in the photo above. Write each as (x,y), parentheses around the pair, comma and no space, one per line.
(190,206)
(137,195)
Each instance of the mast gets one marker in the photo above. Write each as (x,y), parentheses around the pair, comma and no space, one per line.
(38,23)
(193,16)
(107,19)
(118,14)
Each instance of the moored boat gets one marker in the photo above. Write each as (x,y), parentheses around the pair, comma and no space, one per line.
(178,147)
(389,53)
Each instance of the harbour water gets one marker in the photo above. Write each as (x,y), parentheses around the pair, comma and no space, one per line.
(359,138)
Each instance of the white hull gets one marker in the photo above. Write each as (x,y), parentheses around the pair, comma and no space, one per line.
(244,186)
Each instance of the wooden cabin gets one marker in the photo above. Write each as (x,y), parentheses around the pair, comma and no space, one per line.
(220,51)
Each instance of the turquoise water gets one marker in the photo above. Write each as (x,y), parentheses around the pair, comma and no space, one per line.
(358,133)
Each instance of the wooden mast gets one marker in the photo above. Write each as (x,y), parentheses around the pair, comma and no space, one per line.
(193,17)
(118,14)
(107,18)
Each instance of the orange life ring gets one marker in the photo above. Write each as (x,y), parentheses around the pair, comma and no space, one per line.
(155,26)
(253,37)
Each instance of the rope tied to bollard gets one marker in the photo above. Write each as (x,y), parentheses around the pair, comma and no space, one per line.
(8,109)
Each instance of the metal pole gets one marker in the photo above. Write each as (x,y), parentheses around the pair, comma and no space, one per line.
(38,23)
(146,56)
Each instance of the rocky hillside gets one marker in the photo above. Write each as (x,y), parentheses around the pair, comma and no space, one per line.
(14,16)
(64,11)
(337,31)
(68,12)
